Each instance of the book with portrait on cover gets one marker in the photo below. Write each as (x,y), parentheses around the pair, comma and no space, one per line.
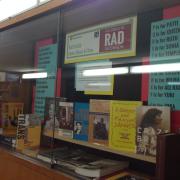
(99,121)
(81,121)
(151,121)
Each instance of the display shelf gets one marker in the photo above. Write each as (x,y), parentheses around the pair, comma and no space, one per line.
(103,148)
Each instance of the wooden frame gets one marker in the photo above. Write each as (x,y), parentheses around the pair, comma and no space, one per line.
(33,12)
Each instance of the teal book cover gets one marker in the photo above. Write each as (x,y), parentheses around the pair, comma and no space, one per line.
(81,121)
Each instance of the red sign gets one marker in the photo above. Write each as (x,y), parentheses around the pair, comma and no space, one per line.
(115,39)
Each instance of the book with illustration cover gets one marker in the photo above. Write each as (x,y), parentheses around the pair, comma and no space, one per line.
(123,125)
(99,121)
(81,121)
(65,116)
(151,121)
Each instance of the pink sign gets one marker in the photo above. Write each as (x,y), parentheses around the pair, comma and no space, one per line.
(172,12)
(145,82)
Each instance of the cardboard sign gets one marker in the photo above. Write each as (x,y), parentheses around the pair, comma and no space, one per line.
(109,40)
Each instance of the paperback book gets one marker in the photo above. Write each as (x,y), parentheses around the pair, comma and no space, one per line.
(99,121)
(51,122)
(28,132)
(123,125)
(101,168)
(65,116)
(151,121)
(9,114)
(81,121)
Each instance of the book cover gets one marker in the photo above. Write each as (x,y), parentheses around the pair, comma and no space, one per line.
(168,158)
(151,121)
(99,121)
(33,132)
(101,167)
(65,116)
(10,112)
(51,122)
(28,132)
(21,132)
(81,121)
(123,125)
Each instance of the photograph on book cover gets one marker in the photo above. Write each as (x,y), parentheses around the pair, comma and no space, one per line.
(151,121)
(100,126)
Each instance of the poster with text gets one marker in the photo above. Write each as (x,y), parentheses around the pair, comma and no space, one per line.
(109,40)
(100,85)
(165,48)
(165,40)
(47,62)
(164,90)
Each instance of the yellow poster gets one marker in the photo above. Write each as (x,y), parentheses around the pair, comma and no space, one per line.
(123,125)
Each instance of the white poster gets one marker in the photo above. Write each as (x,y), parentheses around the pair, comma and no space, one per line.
(94,84)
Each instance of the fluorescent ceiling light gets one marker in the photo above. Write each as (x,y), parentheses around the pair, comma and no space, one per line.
(106,71)
(34,75)
(99,84)
(155,68)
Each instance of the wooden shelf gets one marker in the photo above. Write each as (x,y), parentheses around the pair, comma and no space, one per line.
(104,148)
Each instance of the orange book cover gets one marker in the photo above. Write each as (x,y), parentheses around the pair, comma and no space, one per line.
(9,114)
(99,121)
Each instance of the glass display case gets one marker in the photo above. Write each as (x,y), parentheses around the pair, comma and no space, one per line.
(92,97)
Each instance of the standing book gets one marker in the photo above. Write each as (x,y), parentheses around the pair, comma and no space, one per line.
(28,132)
(9,114)
(51,122)
(151,121)
(65,116)
(99,121)
(81,121)
(123,125)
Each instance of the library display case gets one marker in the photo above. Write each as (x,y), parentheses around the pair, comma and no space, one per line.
(110,89)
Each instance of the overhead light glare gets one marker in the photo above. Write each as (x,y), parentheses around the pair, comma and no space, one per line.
(106,71)
(155,68)
(34,75)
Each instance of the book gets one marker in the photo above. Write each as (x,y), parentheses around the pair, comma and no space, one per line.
(168,158)
(51,122)
(126,175)
(28,132)
(81,121)
(99,121)
(175,123)
(123,125)
(151,121)
(101,168)
(8,141)
(65,116)
(10,112)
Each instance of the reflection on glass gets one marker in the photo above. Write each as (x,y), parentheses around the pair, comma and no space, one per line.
(9,8)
